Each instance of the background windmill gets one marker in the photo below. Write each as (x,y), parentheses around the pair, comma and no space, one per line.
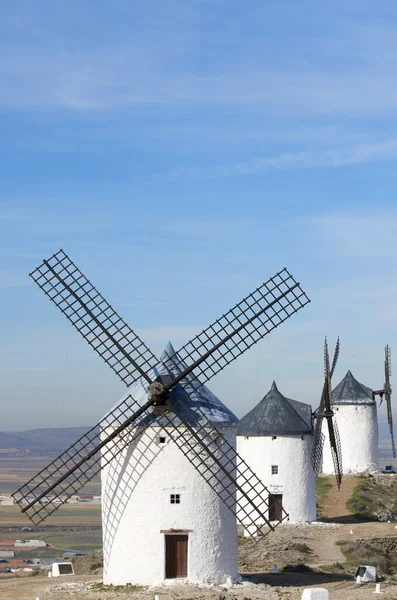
(386,392)
(324,411)
(195,363)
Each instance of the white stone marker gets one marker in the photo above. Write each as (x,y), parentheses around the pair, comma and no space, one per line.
(377,589)
(315,594)
(358,579)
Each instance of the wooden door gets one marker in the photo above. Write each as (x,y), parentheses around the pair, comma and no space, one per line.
(175,556)
(275,507)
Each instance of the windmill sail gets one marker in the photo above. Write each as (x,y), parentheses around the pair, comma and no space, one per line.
(388,391)
(324,411)
(81,462)
(93,317)
(242,326)
(130,359)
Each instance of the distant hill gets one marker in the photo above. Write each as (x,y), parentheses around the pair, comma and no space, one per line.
(52,441)
(11,444)
(39,442)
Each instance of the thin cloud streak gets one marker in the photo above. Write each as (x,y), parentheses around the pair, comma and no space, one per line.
(330,158)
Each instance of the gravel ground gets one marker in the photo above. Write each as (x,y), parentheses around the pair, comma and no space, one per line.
(284,546)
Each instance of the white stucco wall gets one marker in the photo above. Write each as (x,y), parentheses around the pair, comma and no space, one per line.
(295,479)
(136,488)
(358,432)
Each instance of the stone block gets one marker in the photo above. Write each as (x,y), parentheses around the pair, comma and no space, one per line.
(366,572)
(315,594)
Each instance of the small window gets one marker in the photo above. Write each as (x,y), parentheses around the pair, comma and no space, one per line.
(274,437)
(175,498)
(274,469)
(302,437)
(246,437)
(160,439)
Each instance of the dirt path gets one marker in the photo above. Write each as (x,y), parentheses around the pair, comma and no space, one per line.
(334,506)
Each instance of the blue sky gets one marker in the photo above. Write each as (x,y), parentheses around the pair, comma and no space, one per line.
(181,153)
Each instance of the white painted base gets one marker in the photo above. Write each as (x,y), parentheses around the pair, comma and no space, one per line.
(358,431)
(137,513)
(295,480)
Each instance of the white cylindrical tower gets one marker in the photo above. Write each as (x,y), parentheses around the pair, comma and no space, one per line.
(275,439)
(355,415)
(161,520)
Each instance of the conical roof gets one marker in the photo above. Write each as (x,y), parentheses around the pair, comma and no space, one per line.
(196,397)
(351,391)
(276,415)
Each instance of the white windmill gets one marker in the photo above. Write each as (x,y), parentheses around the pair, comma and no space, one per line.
(167,450)
(354,408)
(276,439)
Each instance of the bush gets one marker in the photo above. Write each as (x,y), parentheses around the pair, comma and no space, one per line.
(301,547)
(299,568)
(367,554)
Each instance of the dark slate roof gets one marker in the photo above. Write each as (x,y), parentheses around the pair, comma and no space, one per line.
(350,391)
(276,415)
(199,396)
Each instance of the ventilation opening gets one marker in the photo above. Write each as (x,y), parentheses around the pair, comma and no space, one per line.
(175,499)
(160,439)
(274,437)
(274,469)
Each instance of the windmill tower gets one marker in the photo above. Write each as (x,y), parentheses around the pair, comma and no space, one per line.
(188,525)
(281,440)
(165,411)
(276,438)
(355,413)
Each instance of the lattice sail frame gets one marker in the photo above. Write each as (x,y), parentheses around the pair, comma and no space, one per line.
(236,331)
(324,411)
(388,392)
(93,317)
(252,503)
(80,462)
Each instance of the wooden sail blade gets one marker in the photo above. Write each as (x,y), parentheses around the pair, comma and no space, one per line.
(336,451)
(93,317)
(77,465)
(241,327)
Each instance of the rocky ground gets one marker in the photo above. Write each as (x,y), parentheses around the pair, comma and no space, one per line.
(313,546)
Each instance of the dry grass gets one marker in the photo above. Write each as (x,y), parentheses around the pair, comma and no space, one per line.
(375,498)
(369,554)
(70,514)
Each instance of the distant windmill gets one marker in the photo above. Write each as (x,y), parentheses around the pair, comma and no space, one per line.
(170,390)
(386,392)
(324,411)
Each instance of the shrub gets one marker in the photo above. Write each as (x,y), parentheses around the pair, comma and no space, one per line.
(301,547)
(299,568)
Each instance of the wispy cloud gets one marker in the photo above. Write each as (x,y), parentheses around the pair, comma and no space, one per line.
(321,158)
(168,60)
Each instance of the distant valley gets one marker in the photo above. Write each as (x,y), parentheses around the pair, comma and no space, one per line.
(52,441)
(39,442)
